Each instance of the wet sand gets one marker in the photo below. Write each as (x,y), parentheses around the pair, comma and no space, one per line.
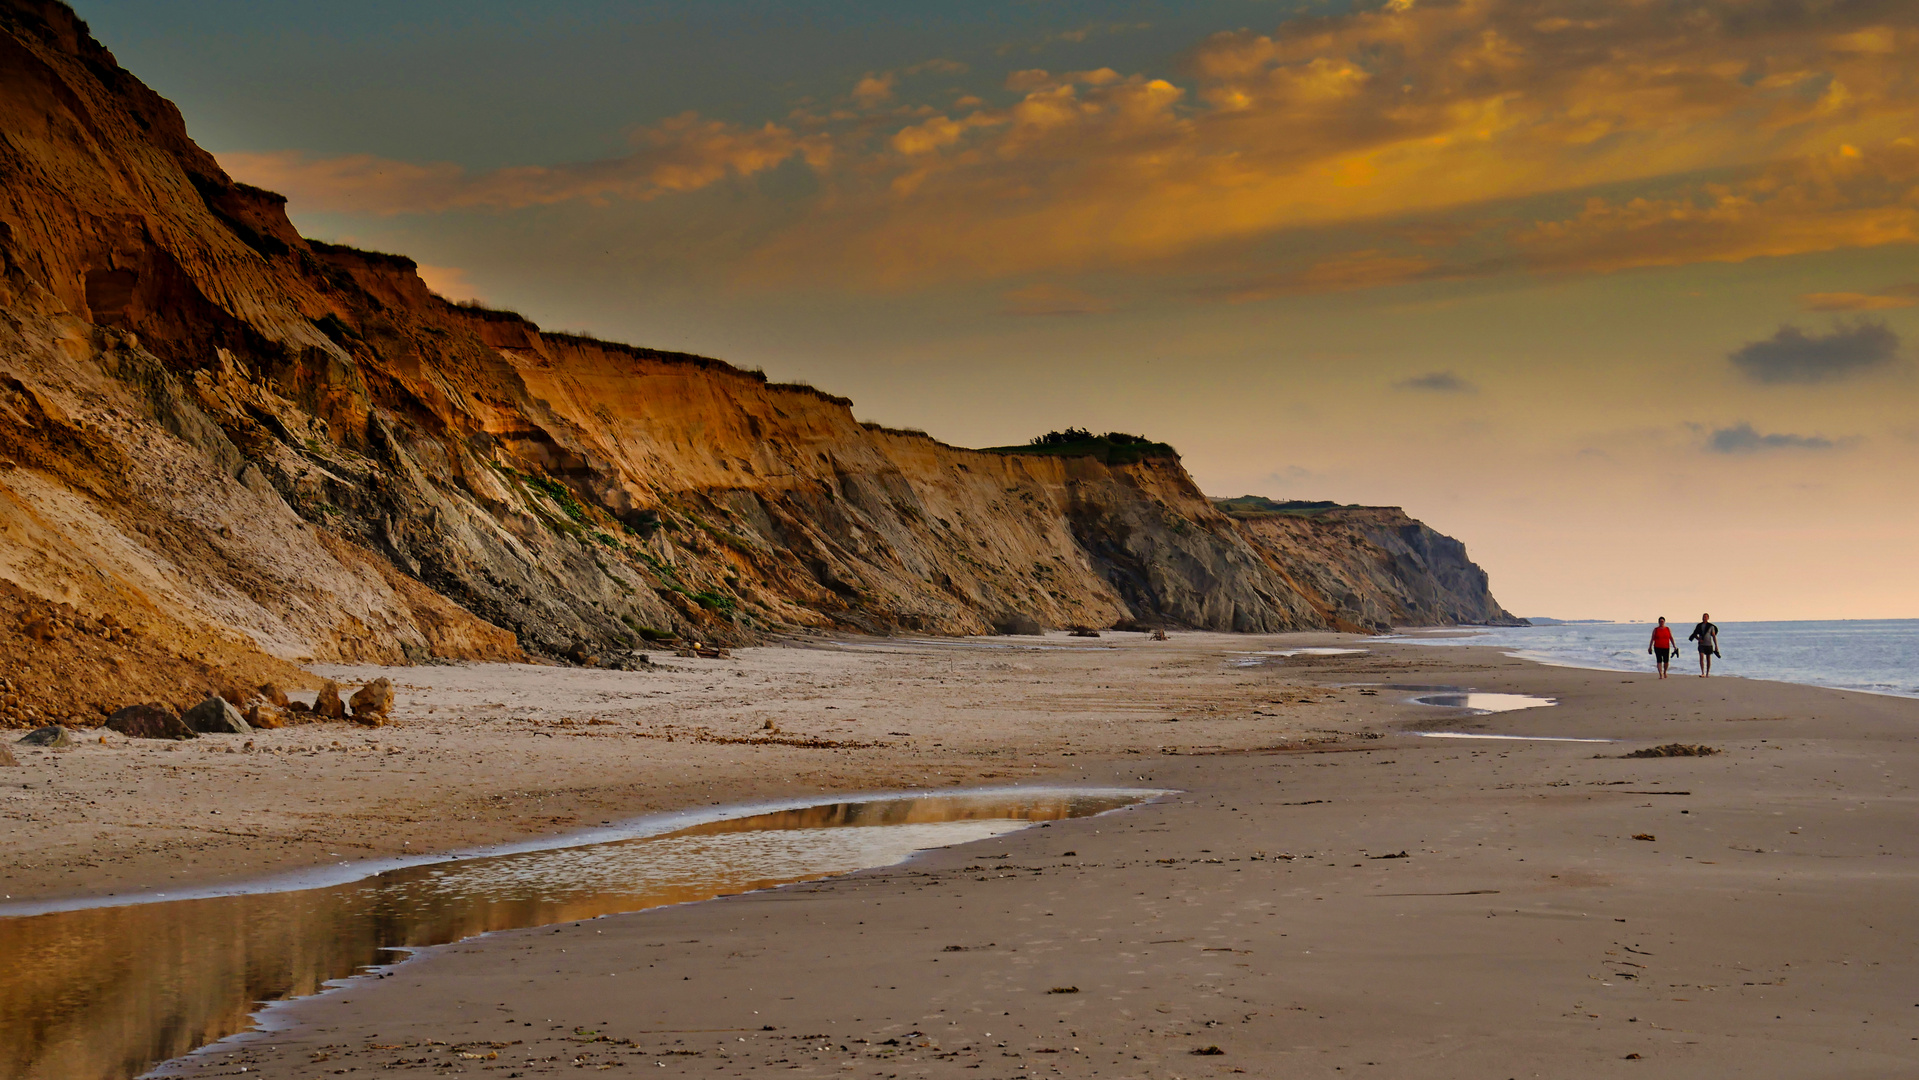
(1764,929)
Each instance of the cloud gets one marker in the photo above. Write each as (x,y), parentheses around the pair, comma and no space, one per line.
(1793,356)
(1072,37)
(1381,121)
(1050,299)
(874,89)
(1437,382)
(1845,199)
(1741,438)
(682,154)
(1896,296)
(1416,142)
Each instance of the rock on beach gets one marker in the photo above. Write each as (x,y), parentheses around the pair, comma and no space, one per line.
(53,736)
(215,716)
(150,721)
(328,706)
(373,702)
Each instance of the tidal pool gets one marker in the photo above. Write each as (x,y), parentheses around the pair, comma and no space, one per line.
(105,993)
(1485,703)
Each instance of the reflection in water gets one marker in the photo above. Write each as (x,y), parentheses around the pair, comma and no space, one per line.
(107,992)
(1506,738)
(1485,703)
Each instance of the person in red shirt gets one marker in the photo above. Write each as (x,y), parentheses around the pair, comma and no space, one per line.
(1661,647)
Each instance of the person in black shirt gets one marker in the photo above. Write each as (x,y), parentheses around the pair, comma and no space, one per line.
(1707,635)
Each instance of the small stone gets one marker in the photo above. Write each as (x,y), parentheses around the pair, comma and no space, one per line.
(150,721)
(7,760)
(373,702)
(215,716)
(53,736)
(328,705)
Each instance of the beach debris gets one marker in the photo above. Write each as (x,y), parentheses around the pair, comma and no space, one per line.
(1674,750)
(52,736)
(1644,836)
(372,703)
(1081,631)
(150,720)
(1401,855)
(328,705)
(1208,1051)
(1159,635)
(701,650)
(215,716)
(1064,990)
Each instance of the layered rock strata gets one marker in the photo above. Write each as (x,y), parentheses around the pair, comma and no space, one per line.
(241,444)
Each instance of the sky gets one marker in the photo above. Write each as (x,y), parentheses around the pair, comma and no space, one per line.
(1622,293)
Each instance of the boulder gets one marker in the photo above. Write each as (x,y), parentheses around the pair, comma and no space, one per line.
(150,721)
(274,695)
(1015,622)
(52,736)
(373,702)
(215,716)
(7,760)
(266,716)
(328,705)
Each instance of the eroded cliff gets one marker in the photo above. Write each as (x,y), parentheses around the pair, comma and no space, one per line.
(214,429)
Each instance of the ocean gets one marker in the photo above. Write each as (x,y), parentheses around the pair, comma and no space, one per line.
(1880,656)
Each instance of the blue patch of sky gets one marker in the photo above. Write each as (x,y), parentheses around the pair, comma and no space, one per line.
(486,83)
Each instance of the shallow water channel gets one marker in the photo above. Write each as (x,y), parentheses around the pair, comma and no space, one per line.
(107,992)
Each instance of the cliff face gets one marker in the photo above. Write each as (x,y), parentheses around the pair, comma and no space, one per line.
(211,425)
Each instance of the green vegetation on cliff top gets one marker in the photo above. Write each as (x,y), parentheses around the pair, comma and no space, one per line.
(1252,506)
(1112,448)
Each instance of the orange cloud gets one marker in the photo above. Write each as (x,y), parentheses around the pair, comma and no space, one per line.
(1413,119)
(1849,199)
(1409,112)
(682,154)
(1053,299)
(1898,296)
(874,89)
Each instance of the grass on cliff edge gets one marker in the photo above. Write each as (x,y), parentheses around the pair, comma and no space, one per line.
(1258,506)
(1112,448)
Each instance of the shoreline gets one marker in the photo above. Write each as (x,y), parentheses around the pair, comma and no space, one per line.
(1414,636)
(1289,757)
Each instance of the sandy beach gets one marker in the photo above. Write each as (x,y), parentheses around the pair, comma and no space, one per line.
(1325,893)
